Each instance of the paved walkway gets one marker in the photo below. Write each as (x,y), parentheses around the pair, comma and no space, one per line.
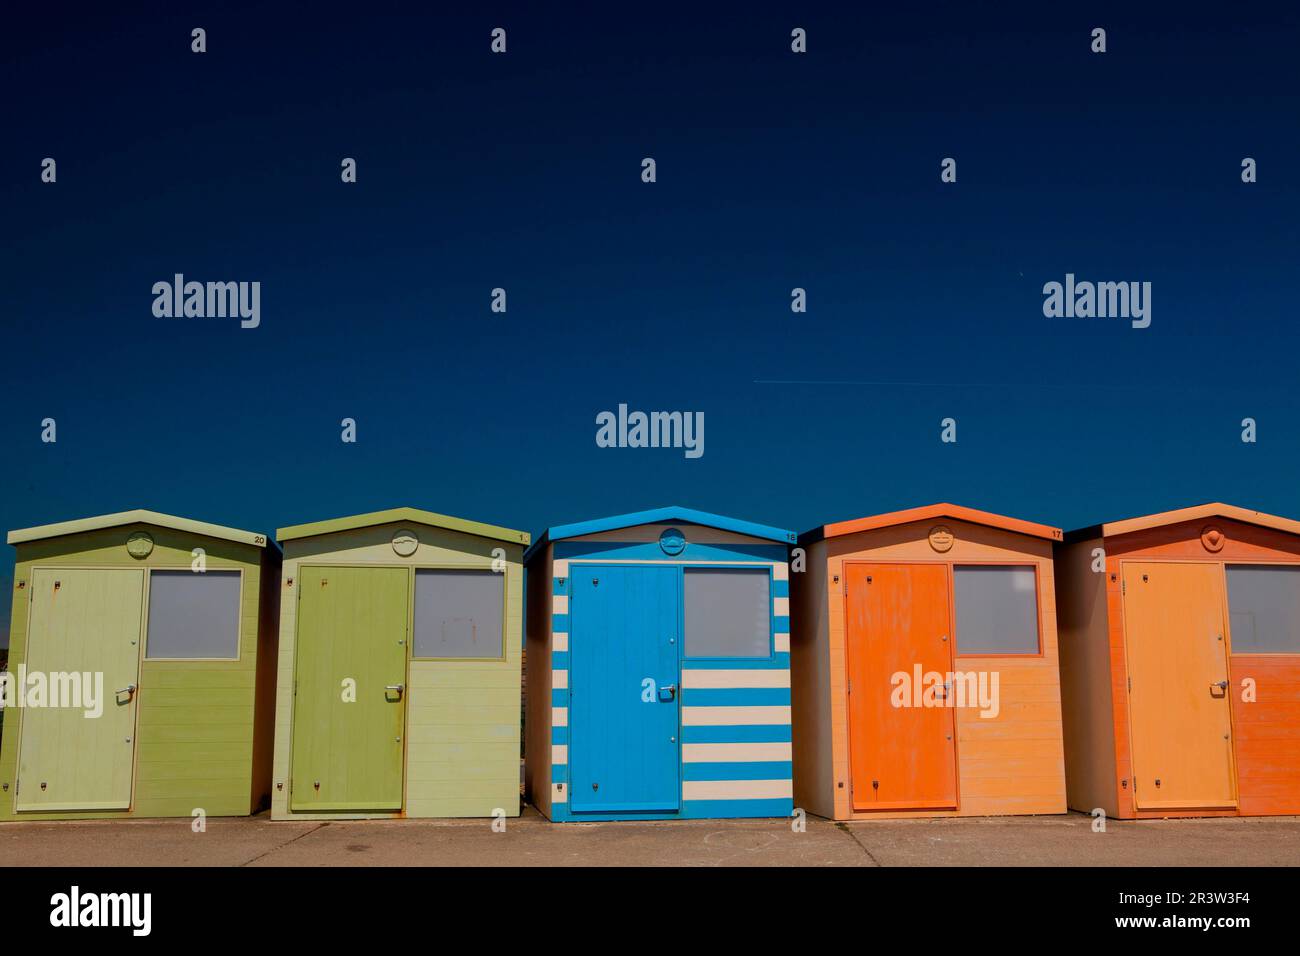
(531,841)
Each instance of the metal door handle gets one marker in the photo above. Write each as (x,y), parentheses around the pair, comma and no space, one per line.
(400,688)
(670,690)
(129,690)
(1222,685)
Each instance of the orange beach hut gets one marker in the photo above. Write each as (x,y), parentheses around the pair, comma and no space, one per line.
(1180,664)
(924,667)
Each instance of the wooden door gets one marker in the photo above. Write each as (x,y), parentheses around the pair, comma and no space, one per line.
(624,701)
(902,756)
(85,633)
(1180,721)
(349,689)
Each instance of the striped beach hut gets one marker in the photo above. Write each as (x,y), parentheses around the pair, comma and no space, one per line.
(658,668)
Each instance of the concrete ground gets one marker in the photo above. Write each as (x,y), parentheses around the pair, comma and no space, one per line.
(531,841)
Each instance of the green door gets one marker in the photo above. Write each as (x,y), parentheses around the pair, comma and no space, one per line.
(349,696)
(84,642)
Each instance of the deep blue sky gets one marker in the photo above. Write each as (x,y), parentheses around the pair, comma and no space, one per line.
(523,171)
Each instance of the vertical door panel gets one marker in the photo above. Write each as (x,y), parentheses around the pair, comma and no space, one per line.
(623,733)
(85,622)
(1179,715)
(902,758)
(352,626)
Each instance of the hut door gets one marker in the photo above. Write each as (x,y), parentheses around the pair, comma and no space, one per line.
(85,624)
(901,757)
(623,689)
(349,689)
(1179,706)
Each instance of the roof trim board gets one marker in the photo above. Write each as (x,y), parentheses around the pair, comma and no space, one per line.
(138,516)
(930,513)
(672,513)
(1194,513)
(412,515)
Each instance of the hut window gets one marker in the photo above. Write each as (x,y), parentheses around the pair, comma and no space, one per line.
(996,609)
(1264,609)
(728,612)
(193,615)
(459,614)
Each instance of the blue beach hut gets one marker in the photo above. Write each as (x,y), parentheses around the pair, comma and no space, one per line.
(658,668)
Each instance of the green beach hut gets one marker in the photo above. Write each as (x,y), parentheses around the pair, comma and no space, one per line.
(398,690)
(141,670)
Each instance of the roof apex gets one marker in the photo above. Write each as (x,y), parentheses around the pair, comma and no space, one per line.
(413,515)
(136,516)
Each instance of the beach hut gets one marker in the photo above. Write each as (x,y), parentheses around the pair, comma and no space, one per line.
(659,668)
(142,656)
(398,688)
(925,665)
(1180,664)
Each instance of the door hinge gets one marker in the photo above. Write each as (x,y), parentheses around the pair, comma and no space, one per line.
(1123,587)
(850,687)
(1130,685)
(295,687)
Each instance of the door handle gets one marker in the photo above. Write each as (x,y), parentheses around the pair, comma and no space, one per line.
(670,690)
(129,690)
(399,689)
(1221,685)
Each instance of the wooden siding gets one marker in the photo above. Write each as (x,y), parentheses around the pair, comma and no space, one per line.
(1086,691)
(737,788)
(196,731)
(537,720)
(1013,763)
(815,779)
(462,717)
(1266,734)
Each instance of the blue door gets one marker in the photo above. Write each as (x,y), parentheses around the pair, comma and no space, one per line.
(623,695)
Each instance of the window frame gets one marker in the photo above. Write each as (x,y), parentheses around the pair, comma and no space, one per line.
(1227,606)
(148,608)
(686,656)
(1033,566)
(505,611)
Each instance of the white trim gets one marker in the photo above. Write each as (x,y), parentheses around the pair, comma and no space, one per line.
(736,753)
(735,716)
(737,789)
(727,679)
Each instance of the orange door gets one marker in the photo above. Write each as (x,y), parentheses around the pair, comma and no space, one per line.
(1179,711)
(902,757)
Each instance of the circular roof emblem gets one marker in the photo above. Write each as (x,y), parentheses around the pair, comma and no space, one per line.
(1213,538)
(139,545)
(941,538)
(672,541)
(405,542)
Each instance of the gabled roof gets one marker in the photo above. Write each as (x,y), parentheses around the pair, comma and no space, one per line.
(671,514)
(1195,513)
(930,513)
(412,515)
(139,516)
